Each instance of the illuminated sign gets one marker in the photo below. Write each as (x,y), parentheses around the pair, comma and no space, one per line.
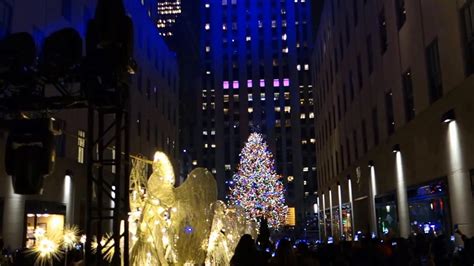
(291,217)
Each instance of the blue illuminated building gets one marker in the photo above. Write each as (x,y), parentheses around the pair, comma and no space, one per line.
(256,77)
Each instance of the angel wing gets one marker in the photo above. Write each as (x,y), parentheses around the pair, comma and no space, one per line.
(194,215)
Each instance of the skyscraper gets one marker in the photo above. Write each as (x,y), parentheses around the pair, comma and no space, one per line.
(256,77)
(167,11)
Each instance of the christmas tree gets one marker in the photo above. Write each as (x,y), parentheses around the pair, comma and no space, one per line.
(256,186)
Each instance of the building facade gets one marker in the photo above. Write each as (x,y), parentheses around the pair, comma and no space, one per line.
(256,77)
(153,115)
(393,82)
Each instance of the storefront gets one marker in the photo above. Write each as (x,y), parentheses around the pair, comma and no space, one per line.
(347,221)
(336,226)
(428,209)
(387,217)
(327,223)
(42,218)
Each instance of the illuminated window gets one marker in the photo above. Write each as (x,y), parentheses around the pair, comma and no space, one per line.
(208,49)
(235,84)
(306,67)
(213,146)
(81,145)
(277,109)
(40,224)
(207,5)
(249,83)
(207,26)
(298,67)
(227,167)
(225,84)
(311,115)
(248,38)
(262,83)
(250,97)
(303,116)
(287,109)
(305,169)
(286,82)
(262,96)
(204,132)
(276,83)
(250,110)
(276,95)
(284,37)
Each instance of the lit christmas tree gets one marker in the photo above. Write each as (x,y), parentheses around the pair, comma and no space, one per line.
(256,186)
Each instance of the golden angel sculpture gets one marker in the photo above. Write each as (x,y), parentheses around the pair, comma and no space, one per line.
(180,225)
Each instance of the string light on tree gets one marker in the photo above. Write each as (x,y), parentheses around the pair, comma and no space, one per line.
(256,186)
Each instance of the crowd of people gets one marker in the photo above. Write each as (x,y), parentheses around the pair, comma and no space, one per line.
(418,250)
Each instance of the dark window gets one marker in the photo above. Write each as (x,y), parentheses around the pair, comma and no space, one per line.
(356,144)
(356,14)
(348,35)
(139,124)
(351,85)
(370,55)
(5,18)
(348,150)
(341,45)
(139,80)
(148,130)
(375,126)
(344,97)
(383,31)
(66,9)
(434,71)
(364,137)
(408,97)
(401,13)
(468,16)
(342,157)
(359,72)
(389,113)
(338,107)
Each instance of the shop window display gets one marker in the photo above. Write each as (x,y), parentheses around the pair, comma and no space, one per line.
(387,217)
(42,218)
(328,223)
(428,208)
(336,226)
(40,224)
(347,222)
